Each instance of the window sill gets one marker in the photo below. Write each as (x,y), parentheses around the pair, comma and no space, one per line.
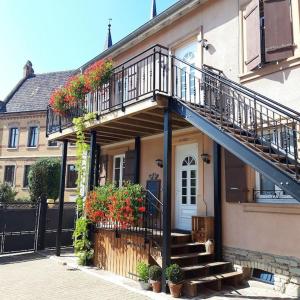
(270,68)
(32,148)
(273,208)
(53,147)
(12,149)
(71,189)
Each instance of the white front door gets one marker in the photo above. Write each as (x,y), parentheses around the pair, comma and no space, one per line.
(186,185)
(188,81)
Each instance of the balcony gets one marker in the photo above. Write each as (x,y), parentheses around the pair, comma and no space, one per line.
(138,79)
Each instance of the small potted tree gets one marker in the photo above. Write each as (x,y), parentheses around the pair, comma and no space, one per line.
(155,273)
(143,274)
(175,278)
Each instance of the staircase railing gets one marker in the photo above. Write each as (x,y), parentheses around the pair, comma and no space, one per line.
(153,219)
(256,118)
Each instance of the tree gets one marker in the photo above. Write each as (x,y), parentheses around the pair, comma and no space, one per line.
(7,193)
(44,178)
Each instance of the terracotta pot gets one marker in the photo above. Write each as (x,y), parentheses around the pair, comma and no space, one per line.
(175,289)
(156,286)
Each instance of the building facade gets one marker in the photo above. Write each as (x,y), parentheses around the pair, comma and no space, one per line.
(23,130)
(220,63)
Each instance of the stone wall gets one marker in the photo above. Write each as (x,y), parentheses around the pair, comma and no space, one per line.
(286,269)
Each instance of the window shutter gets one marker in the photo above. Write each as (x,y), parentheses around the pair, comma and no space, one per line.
(129,172)
(235,179)
(253,35)
(278,30)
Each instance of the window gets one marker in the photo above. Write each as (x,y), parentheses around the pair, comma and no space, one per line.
(25,178)
(119,167)
(9,175)
(71,176)
(72,144)
(268,192)
(13,137)
(33,136)
(52,144)
(269,36)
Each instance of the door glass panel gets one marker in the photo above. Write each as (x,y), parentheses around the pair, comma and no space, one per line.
(193,191)
(193,173)
(183,199)
(193,182)
(184,182)
(193,199)
(184,174)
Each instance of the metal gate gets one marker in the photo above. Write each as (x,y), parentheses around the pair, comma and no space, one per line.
(18,227)
(68,225)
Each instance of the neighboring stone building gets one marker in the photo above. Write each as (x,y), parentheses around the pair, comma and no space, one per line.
(23,129)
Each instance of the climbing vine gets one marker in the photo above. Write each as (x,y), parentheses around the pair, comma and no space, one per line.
(82,245)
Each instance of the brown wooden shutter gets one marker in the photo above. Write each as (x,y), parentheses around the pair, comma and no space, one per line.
(129,172)
(253,35)
(235,179)
(278,30)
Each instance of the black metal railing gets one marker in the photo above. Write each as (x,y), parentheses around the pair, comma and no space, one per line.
(269,126)
(133,81)
(150,224)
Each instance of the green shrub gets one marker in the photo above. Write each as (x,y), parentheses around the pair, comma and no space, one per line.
(81,242)
(44,178)
(143,271)
(155,273)
(7,193)
(174,274)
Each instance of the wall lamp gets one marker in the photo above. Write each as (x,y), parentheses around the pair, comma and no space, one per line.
(159,162)
(205,158)
(204,43)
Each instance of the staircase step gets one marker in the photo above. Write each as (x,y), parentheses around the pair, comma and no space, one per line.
(212,281)
(187,245)
(190,255)
(205,265)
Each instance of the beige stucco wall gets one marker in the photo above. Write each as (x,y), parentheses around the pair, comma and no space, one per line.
(152,149)
(23,155)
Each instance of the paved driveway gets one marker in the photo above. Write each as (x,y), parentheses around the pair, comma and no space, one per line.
(33,277)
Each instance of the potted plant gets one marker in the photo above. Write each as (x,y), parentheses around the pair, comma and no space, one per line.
(143,274)
(155,273)
(175,278)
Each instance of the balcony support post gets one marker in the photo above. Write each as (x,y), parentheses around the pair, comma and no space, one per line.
(137,150)
(217,200)
(93,144)
(97,168)
(61,196)
(167,213)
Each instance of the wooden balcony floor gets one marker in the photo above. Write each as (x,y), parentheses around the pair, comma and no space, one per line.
(141,119)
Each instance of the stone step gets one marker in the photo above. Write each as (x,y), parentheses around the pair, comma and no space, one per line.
(205,265)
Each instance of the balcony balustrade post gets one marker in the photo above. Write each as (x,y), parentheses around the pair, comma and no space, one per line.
(167,213)
(154,72)
(61,196)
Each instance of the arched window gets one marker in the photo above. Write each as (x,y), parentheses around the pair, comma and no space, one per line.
(189,161)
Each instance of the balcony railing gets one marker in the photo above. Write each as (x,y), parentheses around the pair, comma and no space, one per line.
(135,80)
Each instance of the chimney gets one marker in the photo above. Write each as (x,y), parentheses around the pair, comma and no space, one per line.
(28,70)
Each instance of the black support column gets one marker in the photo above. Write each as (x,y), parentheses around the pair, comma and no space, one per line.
(97,167)
(137,160)
(166,248)
(61,195)
(92,160)
(217,200)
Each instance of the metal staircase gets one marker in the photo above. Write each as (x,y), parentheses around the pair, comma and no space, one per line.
(261,132)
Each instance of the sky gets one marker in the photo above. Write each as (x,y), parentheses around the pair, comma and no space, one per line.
(58,35)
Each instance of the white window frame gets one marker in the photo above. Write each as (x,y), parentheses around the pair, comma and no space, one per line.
(284,199)
(38,135)
(15,173)
(122,158)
